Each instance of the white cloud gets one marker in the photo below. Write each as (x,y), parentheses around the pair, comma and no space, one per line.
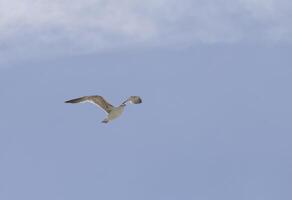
(34,27)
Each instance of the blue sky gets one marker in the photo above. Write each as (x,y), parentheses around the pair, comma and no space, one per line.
(215,78)
(72,28)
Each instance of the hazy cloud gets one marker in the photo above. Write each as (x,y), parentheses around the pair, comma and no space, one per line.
(34,27)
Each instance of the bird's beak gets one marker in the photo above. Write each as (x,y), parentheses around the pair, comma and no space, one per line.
(140,100)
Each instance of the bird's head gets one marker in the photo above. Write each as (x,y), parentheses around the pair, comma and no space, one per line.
(133,100)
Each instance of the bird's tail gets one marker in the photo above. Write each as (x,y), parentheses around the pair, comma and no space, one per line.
(105,120)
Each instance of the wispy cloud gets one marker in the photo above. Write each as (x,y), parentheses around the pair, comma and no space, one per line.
(34,27)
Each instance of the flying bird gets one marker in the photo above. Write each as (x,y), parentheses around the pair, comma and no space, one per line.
(111,111)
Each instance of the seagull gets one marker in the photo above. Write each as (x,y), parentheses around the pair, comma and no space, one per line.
(111,111)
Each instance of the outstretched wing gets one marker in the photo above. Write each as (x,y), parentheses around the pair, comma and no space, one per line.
(134,100)
(97,100)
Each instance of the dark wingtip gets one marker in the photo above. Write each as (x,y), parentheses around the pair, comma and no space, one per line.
(78,100)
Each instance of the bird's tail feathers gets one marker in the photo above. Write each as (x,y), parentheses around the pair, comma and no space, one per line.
(105,120)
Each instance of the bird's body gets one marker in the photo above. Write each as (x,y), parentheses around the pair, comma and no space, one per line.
(112,111)
(115,113)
